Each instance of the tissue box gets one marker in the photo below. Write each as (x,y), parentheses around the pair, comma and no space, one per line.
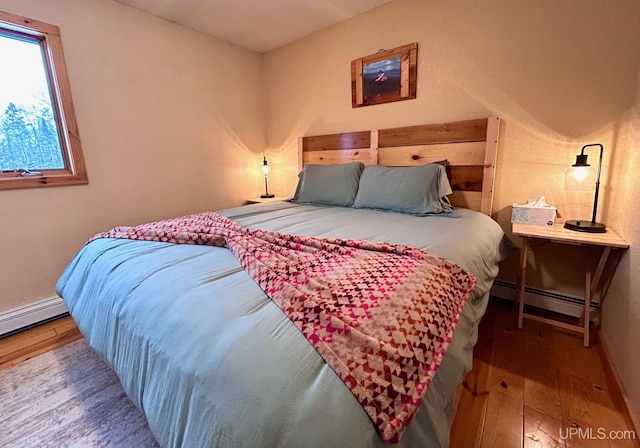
(537,216)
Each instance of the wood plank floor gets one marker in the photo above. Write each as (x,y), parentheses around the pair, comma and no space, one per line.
(33,342)
(538,387)
(535,387)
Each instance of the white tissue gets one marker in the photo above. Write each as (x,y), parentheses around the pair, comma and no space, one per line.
(538,202)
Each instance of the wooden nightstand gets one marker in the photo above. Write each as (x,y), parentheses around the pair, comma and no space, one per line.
(260,200)
(558,234)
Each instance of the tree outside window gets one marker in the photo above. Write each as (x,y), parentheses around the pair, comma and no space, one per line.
(39,140)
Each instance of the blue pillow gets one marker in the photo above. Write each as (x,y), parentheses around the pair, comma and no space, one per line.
(329,184)
(416,190)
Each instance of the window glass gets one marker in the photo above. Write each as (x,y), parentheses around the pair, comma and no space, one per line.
(28,130)
(39,138)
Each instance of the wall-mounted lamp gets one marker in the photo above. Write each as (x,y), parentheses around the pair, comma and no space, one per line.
(580,177)
(266,169)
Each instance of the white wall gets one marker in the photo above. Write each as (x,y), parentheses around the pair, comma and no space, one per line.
(621,315)
(171,122)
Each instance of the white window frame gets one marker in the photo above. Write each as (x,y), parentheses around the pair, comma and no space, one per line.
(56,69)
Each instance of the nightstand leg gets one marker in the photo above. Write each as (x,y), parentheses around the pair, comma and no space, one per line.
(587,306)
(590,286)
(522,278)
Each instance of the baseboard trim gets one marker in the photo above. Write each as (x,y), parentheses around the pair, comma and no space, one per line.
(621,393)
(544,299)
(16,319)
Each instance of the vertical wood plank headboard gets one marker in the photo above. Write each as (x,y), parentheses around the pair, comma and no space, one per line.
(470,146)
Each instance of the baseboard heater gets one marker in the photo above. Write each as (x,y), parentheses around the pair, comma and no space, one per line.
(543,299)
(17,319)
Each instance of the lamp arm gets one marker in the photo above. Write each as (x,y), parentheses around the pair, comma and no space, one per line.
(595,199)
(595,202)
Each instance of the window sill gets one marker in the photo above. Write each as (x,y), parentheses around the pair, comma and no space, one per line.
(46,180)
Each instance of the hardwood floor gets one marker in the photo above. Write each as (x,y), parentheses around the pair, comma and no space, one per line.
(538,387)
(535,387)
(33,342)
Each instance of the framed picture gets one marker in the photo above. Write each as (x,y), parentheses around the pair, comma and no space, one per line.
(386,76)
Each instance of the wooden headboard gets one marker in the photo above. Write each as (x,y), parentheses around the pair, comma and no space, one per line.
(470,146)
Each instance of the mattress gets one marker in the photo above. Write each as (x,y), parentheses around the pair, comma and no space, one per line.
(212,362)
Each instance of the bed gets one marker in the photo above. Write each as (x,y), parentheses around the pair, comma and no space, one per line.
(213,362)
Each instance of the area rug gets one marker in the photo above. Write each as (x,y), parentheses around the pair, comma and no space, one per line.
(68,398)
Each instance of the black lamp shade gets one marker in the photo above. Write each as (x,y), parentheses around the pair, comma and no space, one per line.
(581,160)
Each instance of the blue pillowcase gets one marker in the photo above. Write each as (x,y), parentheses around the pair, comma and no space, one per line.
(416,190)
(329,184)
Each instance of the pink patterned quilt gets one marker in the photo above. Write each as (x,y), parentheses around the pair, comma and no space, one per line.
(381,315)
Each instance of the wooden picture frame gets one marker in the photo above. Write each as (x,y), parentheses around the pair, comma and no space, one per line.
(384,77)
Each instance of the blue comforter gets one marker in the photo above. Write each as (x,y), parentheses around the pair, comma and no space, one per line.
(212,362)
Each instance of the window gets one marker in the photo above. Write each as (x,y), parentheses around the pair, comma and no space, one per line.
(39,140)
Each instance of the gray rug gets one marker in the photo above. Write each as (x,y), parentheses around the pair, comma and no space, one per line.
(68,398)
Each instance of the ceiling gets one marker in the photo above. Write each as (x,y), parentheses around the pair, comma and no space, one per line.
(259,25)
